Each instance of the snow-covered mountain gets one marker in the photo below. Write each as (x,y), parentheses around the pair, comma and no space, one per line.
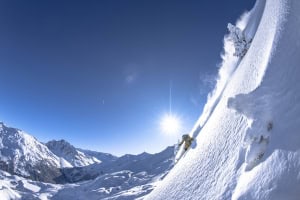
(119,185)
(129,177)
(152,164)
(247,144)
(75,157)
(24,159)
(247,139)
(103,157)
(13,187)
(22,154)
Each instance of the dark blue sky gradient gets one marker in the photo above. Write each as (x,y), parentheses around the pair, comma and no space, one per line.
(97,73)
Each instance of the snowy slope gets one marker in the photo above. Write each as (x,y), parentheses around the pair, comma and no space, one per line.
(24,155)
(152,164)
(76,158)
(14,187)
(126,177)
(129,177)
(248,146)
(119,185)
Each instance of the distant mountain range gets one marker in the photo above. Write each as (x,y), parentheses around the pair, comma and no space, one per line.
(60,162)
(24,155)
(76,157)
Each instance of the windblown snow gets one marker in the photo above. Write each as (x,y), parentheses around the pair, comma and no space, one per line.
(248,146)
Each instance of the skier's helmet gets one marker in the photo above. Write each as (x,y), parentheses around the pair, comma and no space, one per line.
(185,136)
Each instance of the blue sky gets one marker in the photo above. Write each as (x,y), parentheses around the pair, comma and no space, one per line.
(97,73)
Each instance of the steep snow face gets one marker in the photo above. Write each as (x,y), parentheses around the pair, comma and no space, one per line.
(22,154)
(248,146)
(65,150)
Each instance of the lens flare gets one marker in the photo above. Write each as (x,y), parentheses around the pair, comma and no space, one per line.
(170,124)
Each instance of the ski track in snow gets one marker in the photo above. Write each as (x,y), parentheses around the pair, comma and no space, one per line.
(227,69)
(238,155)
(262,89)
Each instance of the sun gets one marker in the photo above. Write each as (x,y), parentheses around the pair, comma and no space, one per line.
(170,124)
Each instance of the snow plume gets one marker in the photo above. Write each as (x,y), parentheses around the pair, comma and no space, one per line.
(252,150)
(240,41)
(227,67)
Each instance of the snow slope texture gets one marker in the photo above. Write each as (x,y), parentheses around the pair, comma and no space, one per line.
(249,146)
(14,187)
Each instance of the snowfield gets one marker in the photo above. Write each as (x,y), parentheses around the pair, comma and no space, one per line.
(24,162)
(247,140)
(14,187)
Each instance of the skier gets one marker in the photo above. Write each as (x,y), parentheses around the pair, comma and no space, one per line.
(187,140)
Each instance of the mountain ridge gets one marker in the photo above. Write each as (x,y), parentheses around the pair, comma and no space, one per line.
(76,158)
(128,176)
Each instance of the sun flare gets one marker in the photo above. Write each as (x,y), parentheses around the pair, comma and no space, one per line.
(170,124)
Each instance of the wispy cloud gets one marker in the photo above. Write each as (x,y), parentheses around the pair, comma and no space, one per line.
(207,82)
(130,73)
(131,78)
